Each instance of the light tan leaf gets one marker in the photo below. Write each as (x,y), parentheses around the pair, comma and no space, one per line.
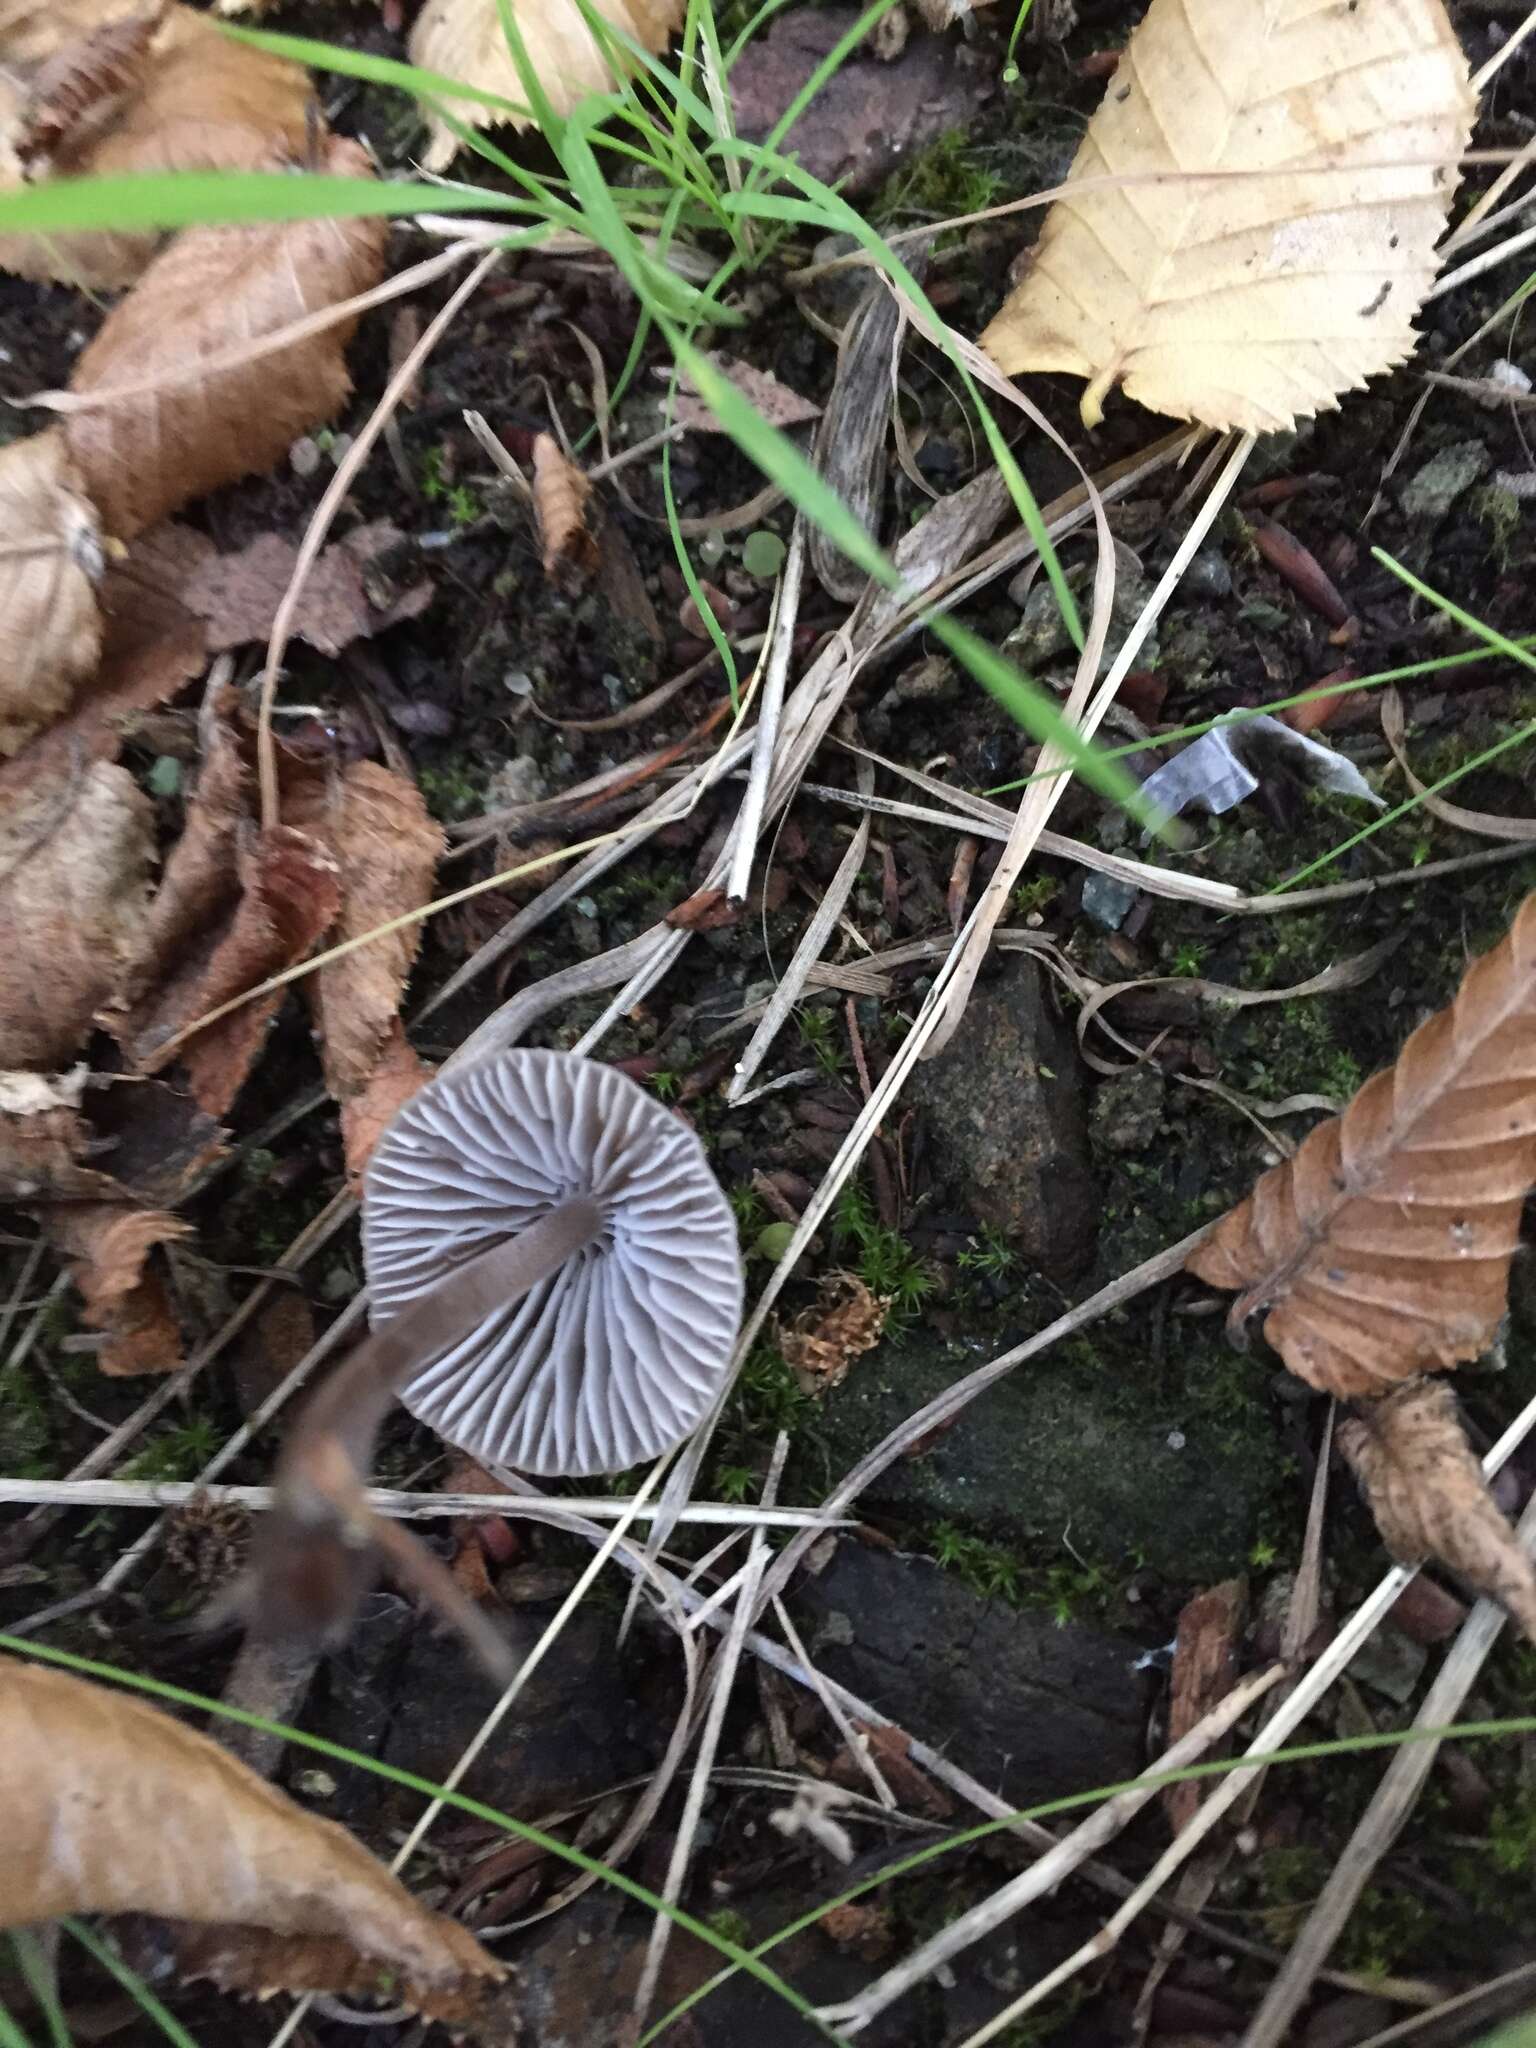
(113,1807)
(386,846)
(32,31)
(822,1342)
(398,1073)
(1382,1249)
(178,97)
(144,457)
(1250,301)
(50,560)
(1426,1489)
(463,39)
(75,852)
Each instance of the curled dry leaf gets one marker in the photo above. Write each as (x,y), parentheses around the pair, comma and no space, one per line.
(143,457)
(75,852)
(113,1807)
(124,1289)
(463,39)
(149,89)
(1261,293)
(1426,1490)
(50,560)
(560,493)
(1382,1249)
(386,847)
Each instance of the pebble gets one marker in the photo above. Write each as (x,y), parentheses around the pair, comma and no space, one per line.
(1434,489)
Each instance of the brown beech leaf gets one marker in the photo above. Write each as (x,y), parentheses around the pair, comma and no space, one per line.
(50,561)
(398,1072)
(32,31)
(75,851)
(113,1807)
(463,40)
(777,403)
(144,90)
(236,596)
(289,893)
(386,846)
(1382,1249)
(144,456)
(44,1140)
(1426,1489)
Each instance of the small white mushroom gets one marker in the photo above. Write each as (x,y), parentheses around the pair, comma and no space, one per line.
(619,1345)
(556,1286)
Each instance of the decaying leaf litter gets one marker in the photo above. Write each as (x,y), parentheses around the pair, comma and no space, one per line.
(163,1165)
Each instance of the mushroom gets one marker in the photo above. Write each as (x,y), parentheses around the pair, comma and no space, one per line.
(555,1285)
(609,1342)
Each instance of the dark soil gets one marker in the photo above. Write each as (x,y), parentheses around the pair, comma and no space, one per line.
(1017,1581)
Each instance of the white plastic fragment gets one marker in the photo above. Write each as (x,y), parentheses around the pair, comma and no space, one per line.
(1215,772)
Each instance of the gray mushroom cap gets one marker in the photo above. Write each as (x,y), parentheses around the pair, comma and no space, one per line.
(618,1355)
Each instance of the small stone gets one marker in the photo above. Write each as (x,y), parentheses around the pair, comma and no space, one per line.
(1006,1119)
(1108,901)
(304,456)
(1127,1110)
(1208,575)
(164,777)
(314,1784)
(1390,1664)
(519,682)
(1434,489)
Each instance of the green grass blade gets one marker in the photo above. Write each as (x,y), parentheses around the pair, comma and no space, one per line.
(41,1979)
(11,2035)
(389,71)
(143,200)
(132,1983)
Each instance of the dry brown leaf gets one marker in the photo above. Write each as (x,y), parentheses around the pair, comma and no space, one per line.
(1250,301)
(1205,1668)
(236,596)
(1382,1249)
(780,406)
(50,560)
(463,39)
(1426,1489)
(144,457)
(397,1075)
(113,1807)
(109,1248)
(560,493)
(386,846)
(177,97)
(44,1140)
(75,851)
(289,895)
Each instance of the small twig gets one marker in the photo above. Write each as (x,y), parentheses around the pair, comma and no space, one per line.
(320,525)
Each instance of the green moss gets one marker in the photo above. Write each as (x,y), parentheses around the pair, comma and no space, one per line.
(881,1257)
(942,182)
(453,790)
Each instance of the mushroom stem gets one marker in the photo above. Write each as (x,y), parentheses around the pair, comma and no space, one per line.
(318,1545)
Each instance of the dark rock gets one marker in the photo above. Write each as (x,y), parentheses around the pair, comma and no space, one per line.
(1006,1119)
(1030,1708)
(1175,1470)
(869,116)
(411,1695)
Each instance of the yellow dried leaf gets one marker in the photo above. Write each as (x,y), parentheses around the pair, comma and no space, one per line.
(1426,1490)
(144,455)
(1250,301)
(1382,1249)
(50,560)
(137,96)
(113,1807)
(463,39)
